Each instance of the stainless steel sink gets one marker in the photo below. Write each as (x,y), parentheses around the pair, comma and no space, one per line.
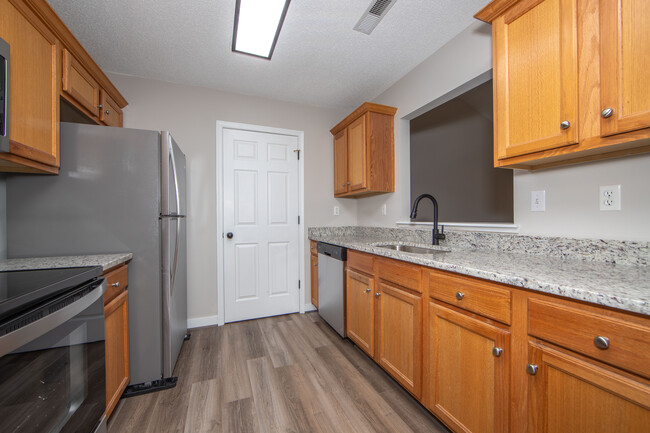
(413,249)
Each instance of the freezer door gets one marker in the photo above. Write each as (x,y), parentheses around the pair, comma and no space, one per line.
(174,251)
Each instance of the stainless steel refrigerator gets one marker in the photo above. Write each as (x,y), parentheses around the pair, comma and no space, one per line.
(118,190)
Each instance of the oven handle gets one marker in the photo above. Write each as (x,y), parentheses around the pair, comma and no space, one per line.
(21,336)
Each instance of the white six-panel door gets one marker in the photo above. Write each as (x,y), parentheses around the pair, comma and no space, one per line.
(260,190)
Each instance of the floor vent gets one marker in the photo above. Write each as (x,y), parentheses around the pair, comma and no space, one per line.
(371,17)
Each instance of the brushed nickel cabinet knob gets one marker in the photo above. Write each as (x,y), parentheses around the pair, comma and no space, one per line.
(497,351)
(460,296)
(607,112)
(532,369)
(565,125)
(601,342)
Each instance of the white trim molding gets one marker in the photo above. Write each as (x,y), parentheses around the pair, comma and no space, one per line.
(300,135)
(201,322)
(479,227)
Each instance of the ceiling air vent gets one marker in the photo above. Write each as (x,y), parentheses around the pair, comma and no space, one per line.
(371,17)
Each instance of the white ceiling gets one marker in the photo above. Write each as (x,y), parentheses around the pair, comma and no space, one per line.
(319,60)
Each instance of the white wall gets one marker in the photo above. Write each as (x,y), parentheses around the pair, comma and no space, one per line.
(191,113)
(571,192)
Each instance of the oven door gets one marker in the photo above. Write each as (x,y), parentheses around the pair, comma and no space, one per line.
(54,379)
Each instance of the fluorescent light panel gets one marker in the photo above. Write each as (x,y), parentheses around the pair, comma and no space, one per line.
(257,26)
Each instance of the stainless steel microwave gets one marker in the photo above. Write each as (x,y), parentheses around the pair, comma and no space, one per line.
(4,96)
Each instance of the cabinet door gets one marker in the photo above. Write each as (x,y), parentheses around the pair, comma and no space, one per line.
(625,63)
(357,154)
(536,77)
(33,92)
(79,85)
(400,336)
(569,395)
(116,326)
(360,311)
(110,113)
(341,163)
(314,279)
(468,382)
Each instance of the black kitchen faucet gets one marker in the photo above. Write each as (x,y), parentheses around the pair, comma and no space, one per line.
(436,236)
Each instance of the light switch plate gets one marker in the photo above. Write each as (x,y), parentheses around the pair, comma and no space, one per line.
(538,201)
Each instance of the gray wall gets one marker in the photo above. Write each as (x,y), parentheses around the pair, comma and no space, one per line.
(452,159)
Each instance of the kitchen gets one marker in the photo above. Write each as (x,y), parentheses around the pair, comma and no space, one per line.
(571,191)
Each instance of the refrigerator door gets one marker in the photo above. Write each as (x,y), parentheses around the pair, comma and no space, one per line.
(174,250)
(106,199)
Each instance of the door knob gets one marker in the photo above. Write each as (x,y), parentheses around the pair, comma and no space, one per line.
(229,235)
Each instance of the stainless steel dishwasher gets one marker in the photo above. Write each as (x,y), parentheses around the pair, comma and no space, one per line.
(331,285)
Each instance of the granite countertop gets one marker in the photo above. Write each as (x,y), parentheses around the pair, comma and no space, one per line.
(622,286)
(106,261)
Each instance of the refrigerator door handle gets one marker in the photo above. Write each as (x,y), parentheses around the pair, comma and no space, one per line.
(178,208)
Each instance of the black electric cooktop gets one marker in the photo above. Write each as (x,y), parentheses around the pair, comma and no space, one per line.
(22,289)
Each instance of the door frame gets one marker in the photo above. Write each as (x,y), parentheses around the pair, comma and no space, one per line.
(300,135)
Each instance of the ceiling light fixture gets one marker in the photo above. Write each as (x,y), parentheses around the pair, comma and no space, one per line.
(257,26)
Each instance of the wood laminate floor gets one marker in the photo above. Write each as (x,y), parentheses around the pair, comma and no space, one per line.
(280,374)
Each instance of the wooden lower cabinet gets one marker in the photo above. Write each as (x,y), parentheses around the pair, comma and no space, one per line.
(360,311)
(568,394)
(461,346)
(467,371)
(314,279)
(116,328)
(400,336)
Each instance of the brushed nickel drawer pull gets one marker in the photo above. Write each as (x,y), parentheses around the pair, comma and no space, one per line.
(531,369)
(368,290)
(116,284)
(601,342)
(497,351)
(460,296)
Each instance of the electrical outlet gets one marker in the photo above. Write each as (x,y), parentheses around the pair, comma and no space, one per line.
(538,201)
(383,209)
(610,197)
(336,210)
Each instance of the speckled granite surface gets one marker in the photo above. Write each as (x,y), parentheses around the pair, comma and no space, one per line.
(615,274)
(106,261)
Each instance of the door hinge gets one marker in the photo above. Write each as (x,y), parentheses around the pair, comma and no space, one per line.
(298,152)
(298,219)
(298,284)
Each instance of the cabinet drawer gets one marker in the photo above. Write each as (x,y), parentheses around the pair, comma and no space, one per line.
(361,262)
(404,275)
(116,282)
(480,297)
(575,329)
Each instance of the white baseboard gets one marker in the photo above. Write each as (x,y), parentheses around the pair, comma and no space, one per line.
(200,322)
(309,307)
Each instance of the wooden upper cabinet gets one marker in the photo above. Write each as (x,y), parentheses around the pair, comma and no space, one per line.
(557,65)
(364,152)
(341,162)
(79,85)
(570,395)
(357,154)
(536,77)
(625,54)
(109,111)
(33,91)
